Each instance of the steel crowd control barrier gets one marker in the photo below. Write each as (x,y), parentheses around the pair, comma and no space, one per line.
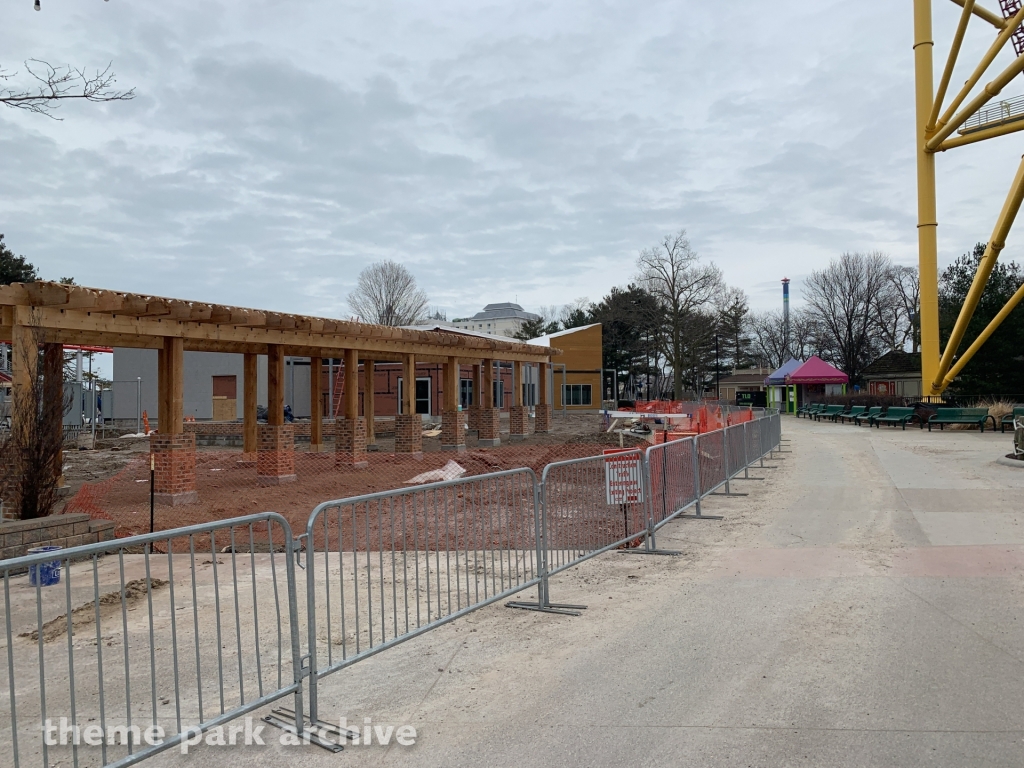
(147,651)
(168,636)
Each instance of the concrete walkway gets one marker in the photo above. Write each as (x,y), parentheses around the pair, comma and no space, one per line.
(862,607)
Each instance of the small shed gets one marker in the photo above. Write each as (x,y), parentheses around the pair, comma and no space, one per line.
(895,373)
(780,395)
(816,378)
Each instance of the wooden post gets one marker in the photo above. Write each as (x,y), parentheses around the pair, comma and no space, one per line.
(450,377)
(517,383)
(543,377)
(368,402)
(53,404)
(351,384)
(316,405)
(487,385)
(163,406)
(543,411)
(174,361)
(250,375)
(275,385)
(25,375)
(408,384)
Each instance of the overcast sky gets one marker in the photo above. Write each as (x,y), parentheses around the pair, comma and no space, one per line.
(502,150)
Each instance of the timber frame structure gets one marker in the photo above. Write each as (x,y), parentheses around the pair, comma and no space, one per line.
(935,129)
(48,315)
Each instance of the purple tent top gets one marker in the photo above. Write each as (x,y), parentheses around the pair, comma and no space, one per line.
(817,371)
(778,377)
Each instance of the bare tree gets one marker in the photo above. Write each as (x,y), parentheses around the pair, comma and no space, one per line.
(897,309)
(768,338)
(49,86)
(575,313)
(672,274)
(387,294)
(843,298)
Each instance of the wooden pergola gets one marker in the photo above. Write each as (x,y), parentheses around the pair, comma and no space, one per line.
(51,314)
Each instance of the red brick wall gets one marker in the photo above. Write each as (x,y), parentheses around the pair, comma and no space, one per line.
(453,428)
(488,421)
(350,441)
(542,422)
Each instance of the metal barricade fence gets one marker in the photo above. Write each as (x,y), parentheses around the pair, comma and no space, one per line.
(671,478)
(385,567)
(205,619)
(736,449)
(711,460)
(174,633)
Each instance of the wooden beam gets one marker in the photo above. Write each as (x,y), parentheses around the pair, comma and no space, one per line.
(351,410)
(250,384)
(250,327)
(517,382)
(368,403)
(409,384)
(316,404)
(543,377)
(275,386)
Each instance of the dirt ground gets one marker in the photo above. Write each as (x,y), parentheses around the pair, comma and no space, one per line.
(112,482)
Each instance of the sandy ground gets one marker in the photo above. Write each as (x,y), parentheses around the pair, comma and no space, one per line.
(861,607)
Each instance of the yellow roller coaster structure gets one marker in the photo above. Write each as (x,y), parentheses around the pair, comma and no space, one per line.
(972,123)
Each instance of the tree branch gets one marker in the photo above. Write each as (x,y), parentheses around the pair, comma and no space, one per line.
(57,84)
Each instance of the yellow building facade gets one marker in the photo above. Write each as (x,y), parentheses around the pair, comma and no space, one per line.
(576,372)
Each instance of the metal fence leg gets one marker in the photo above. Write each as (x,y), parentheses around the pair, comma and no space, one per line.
(540,526)
(650,544)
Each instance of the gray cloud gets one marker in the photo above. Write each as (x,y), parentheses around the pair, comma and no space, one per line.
(499,149)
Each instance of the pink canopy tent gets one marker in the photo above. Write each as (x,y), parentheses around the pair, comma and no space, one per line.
(817,371)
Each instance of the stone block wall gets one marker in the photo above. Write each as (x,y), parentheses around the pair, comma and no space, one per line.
(74,530)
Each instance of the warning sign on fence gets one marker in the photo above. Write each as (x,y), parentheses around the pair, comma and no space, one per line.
(623,477)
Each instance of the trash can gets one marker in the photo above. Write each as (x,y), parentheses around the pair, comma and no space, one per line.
(47,573)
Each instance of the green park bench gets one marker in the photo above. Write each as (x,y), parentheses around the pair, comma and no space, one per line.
(895,415)
(1018,413)
(872,412)
(830,412)
(852,414)
(808,409)
(946,416)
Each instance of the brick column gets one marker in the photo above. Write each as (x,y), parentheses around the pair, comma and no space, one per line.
(350,443)
(275,455)
(409,434)
(477,404)
(488,421)
(542,422)
(175,460)
(275,449)
(518,423)
(518,414)
(453,431)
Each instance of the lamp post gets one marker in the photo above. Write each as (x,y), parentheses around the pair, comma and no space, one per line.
(718,373)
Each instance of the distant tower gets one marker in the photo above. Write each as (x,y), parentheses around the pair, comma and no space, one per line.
(785,318)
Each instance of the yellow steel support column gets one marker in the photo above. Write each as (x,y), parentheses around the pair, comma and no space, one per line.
(984,336)
(927,218)
(995,245)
